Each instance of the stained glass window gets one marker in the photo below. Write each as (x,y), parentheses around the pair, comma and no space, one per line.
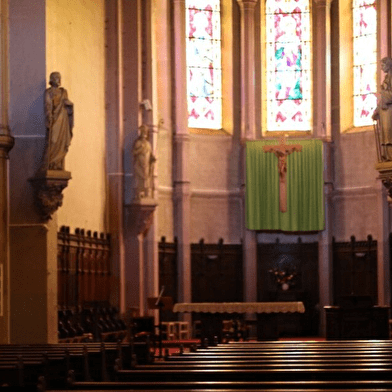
(204,70)
(365,60)
(288,65)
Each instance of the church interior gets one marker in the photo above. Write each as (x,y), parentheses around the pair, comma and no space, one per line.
(200,151)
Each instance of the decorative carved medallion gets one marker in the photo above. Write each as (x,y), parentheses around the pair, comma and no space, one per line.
(48,187)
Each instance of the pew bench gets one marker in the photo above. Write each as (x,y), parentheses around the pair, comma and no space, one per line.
(189,386)
(266,374)
(22,365)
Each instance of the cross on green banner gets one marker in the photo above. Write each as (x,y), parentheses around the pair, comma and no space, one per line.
(305,199)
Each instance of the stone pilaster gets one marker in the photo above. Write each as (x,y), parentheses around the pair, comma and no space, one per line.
(325,240)
(322,70)
(6,143)
(248,106)
(384,188)
(383,257)
(115,148)
(33,242)
(248,132)
(138,220)
(151,118)
(181,191)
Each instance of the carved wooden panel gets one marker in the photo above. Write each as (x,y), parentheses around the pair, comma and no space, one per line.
(168,276)
(289,272)
(83,267)
(354,269)
(216,272)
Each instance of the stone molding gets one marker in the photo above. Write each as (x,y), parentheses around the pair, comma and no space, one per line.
(385,171)
(6,144)
(48,187)
(323,3)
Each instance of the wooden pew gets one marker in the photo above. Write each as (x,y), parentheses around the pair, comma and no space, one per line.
(271,366)
(22,364)
(298,386)
(264,374)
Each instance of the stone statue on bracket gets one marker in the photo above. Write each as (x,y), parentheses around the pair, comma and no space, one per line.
(143,164)
(59,124)
(383,113)
(51,178)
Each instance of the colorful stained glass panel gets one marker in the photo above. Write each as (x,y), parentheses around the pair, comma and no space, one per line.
(204,69)
(288,65)
(364,61)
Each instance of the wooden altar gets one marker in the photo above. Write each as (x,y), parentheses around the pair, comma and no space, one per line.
(266,311)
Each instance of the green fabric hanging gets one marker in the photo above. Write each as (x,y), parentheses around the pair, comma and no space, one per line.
(305,200)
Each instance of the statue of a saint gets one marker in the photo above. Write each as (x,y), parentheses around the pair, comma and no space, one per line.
(59,124)
(383,112)
(143,163)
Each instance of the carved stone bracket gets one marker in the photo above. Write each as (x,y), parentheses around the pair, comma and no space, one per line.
(48,187)
(140,215)
(385,171)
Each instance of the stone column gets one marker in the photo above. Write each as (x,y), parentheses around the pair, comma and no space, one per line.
(181,182)
(115,148)
(383,34)
(248,132)
(383,257)
(138,220)
(325,241)
(322,70)
(248,107)
(6,143)
(322,129)
(150,117)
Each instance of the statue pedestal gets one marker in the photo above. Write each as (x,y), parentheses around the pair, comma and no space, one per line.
(385,171)
(138,276)
(140,214)
(48,187)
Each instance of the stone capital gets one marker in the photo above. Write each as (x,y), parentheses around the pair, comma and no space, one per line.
(6,144)
(247,3)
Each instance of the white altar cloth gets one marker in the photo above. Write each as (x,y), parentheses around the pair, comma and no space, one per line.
(240,307)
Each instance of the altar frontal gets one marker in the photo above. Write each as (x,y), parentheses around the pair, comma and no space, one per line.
(301,181)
